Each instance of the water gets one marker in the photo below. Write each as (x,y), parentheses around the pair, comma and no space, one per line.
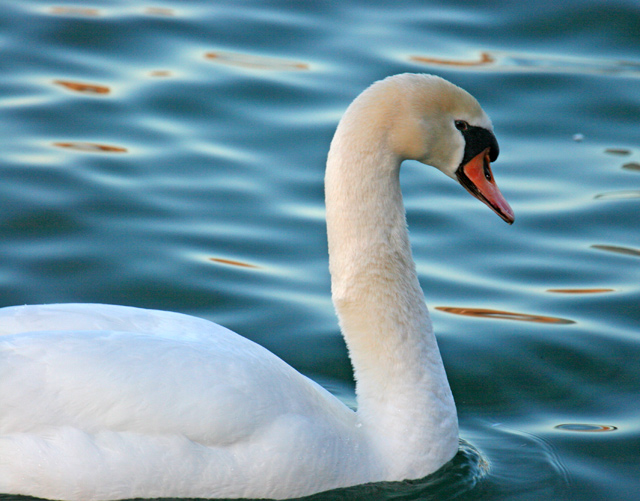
(171,154)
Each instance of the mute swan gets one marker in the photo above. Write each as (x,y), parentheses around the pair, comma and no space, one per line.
(102,402)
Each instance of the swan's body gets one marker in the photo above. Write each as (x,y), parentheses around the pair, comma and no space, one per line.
(109,402)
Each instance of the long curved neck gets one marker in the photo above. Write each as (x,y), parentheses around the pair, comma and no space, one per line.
(404,400)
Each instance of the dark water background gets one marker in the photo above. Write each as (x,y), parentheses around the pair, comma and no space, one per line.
(171,154)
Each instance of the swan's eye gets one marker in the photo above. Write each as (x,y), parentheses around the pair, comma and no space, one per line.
(461,125)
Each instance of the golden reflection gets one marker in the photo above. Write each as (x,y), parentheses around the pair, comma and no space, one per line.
(631,166)
(255,62)
(503,315)
(618,249)
(585,428)
(75,11)
(485,58)
(160,73)
(91,147)
(83,88)
(231,262)
(580,291)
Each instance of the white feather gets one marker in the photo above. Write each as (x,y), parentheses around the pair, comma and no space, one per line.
(103,402)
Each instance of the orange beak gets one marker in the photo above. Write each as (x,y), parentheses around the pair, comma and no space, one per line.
(477,178)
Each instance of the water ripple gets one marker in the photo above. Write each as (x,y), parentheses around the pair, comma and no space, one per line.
(255,62)
(581,291)
(503,315)
(84,88)
(232,262)
(75,11)
(85,147)
(504,61)
(618,195)
(627,251)
(585,428)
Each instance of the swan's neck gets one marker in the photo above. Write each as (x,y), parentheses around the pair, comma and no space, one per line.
(404,401)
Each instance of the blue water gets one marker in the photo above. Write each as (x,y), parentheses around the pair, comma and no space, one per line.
(171,154)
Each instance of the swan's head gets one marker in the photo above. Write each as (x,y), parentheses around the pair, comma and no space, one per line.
(442,125)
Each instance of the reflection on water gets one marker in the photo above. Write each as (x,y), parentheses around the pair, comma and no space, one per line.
(254,62)
(160,73)
(232,262)
(588,428)
(159,11)
(91,147)
(83,88)
(632,166)
(618,249)
(485,58)
(618,195)
(618,151)
(75,11)
(93,12)
(503,315)
(580,291)
(529,63)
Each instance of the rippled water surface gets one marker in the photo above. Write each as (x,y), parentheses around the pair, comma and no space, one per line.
(171,154)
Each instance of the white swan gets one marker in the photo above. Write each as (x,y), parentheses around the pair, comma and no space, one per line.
(103,402)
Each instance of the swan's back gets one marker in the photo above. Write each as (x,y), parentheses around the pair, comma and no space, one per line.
(105,317)
(167,391)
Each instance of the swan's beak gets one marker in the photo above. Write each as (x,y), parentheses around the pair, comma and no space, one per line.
(477,178)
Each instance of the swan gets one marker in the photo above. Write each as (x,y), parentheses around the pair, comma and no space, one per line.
(103,402)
